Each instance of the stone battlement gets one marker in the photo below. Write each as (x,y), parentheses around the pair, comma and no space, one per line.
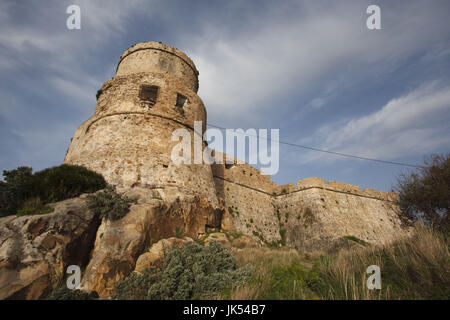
(245,175)
(313,182)
(160,58)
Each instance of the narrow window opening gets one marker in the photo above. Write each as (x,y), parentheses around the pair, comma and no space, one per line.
(181,101)
(229,165)
(148,95)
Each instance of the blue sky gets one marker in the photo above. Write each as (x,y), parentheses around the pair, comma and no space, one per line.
(309,68)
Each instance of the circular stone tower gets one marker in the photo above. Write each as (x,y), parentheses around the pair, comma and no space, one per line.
(128,139)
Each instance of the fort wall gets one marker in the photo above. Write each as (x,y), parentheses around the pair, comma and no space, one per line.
(310,215)
(128,140)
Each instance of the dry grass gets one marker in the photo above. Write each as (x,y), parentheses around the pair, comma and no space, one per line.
(414,268)
(268,266)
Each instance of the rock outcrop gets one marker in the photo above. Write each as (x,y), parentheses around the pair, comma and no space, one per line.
(155,256)
(35,250)
(119,243)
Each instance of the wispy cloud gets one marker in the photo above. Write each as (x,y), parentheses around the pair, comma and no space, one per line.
(413,124)
(302,51)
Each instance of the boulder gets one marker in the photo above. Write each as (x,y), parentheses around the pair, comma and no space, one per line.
(119,243)
(155,256)
(35,250)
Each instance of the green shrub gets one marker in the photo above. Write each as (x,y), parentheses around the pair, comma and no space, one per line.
(64,293)
(33,206)
(193,272)
(26,193)
(109,204)
(64,182)
(15,189)
(135,286)
(287,283)
(98,94)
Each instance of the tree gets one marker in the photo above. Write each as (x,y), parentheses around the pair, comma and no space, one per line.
(14,190)
(425,192)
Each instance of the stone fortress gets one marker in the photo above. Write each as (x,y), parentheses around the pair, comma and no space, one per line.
(128,141)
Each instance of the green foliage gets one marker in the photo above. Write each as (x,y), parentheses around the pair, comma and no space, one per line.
(135,286)
(109,204)
(288,283)
(34,206)
(277,213)
(27,193)
(425,192)
(98,94)
(100,91)
(15,189)
(64,293)
(193,272)
(416,268)
(64,182)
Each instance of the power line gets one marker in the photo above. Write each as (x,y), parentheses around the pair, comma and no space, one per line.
(332,152)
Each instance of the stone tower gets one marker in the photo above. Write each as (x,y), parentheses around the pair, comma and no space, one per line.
(128,139)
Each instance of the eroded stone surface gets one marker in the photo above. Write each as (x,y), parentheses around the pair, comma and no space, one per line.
(155,256)
(119,243)
(35,250)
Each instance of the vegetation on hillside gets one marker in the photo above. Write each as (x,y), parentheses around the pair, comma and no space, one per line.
(193,272)
(64,293)
(109,204)
(23,192)
(425,192)
(414,268)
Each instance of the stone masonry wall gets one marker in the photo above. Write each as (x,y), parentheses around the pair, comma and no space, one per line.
(129,143)
(312,215)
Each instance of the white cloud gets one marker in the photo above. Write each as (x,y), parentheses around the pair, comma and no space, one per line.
(413,124)
(41,32)
(262,63)
(82,91)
